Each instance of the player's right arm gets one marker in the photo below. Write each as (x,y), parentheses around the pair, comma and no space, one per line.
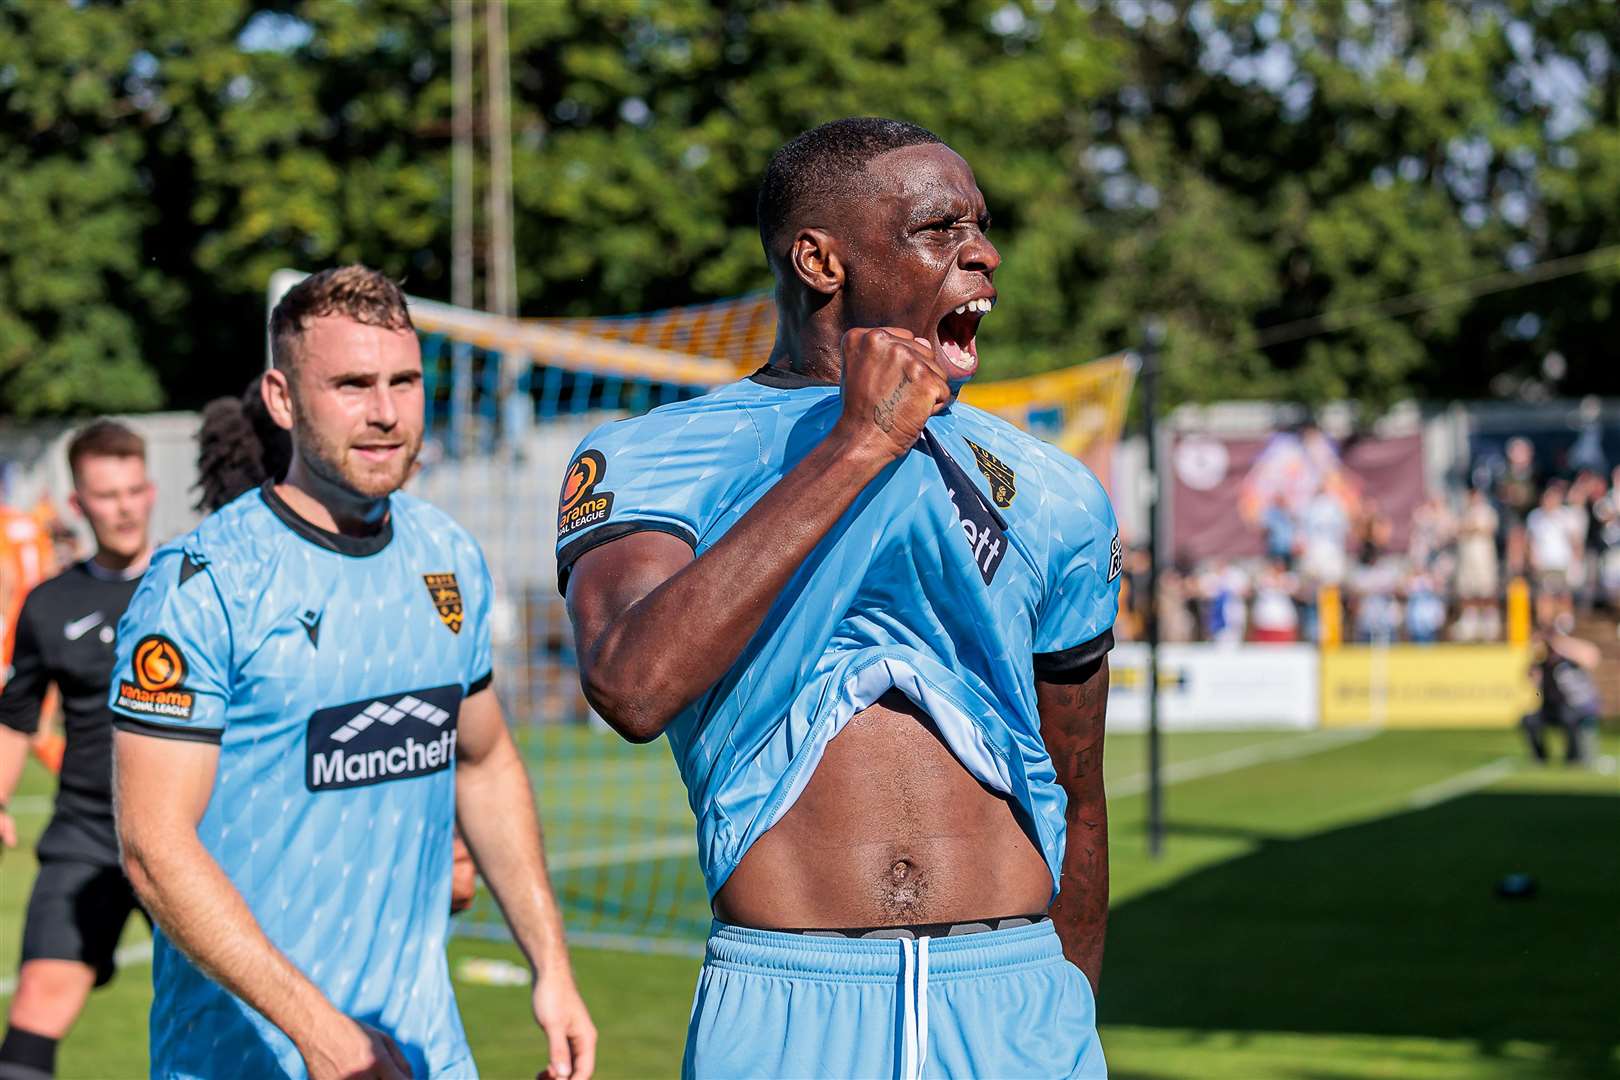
(655,626)
(169,694)
(161,788)
(20,704)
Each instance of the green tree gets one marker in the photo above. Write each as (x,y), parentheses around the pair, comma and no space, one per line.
(1235,168)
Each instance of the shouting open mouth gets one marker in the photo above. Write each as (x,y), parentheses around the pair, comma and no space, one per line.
(957,332)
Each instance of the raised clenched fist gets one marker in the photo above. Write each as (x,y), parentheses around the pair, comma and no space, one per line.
(892,384)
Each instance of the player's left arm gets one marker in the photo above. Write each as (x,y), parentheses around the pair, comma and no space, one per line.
(1073,634)
(495,810)
(1072,713)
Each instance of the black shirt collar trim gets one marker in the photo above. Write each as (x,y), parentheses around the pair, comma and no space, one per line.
(356,546)
(785,380)
(101,573)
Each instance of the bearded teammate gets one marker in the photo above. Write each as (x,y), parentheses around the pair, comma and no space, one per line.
(239,447)
(81,899)
(305,710)
(873,622)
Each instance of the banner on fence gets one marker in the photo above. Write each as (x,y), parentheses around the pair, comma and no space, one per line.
(1203,686)
(1426,686)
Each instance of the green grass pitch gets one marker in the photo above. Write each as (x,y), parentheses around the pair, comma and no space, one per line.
(1324,910)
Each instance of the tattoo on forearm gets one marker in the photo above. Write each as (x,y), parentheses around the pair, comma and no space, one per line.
(883,411)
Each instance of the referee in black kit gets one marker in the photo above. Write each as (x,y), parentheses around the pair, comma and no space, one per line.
(81,899)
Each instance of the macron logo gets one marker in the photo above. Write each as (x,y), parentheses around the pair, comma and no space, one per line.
(395,737)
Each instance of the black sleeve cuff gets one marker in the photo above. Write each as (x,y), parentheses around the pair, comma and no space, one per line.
(618,530)
(1076,664)
(167,731)
(481,683)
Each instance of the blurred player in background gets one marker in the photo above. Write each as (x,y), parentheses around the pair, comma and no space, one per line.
(874,623)
(27,557)
(81,899)
(239,447)
(305,709)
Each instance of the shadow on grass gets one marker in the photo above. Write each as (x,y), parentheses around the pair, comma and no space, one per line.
(1393,928)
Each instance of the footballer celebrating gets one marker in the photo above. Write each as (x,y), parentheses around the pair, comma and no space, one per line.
(874,624)
(81,899)
(304,711)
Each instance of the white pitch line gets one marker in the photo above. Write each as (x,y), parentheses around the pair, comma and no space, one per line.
(664,847)
(128,956)
(1243,757)
(1463,783)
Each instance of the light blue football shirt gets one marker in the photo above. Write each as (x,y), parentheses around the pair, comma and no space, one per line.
(330,670)
(978,557)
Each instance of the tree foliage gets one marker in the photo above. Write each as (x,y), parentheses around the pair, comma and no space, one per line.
(1230,167)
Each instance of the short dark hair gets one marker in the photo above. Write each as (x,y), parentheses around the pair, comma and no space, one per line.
(103,438)
(822,163)
(356,292)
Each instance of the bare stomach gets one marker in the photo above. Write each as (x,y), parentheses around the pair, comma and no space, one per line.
(891,830)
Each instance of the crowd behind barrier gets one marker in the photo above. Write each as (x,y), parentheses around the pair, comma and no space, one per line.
(1554,525)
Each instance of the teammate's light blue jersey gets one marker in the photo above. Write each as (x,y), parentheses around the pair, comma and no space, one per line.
(980,557)
(330,670)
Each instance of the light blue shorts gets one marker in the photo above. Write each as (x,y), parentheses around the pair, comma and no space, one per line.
(1004,1003)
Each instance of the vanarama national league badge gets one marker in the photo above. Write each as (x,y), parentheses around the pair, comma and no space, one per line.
(1003,486)
(446,593)
(158,669)
(581,504)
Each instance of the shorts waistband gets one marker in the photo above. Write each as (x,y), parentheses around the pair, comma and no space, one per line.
(917,930)
(774,952)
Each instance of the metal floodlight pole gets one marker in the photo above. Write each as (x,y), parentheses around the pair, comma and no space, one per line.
(462,203)
(500,290)
(1152,342)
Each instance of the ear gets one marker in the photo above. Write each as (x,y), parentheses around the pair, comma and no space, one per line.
(73,501)
(814,258)
(275,389)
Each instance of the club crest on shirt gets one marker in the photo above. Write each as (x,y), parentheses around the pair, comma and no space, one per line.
(446,593)
(581,505)
(157,669)
(1003,486)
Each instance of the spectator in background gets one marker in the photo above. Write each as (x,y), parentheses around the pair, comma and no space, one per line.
(1516,494)
(1552,552)
(1433,536)
(1372,532)
(1280,529)
(1585,493)
(1606,511)
(1478,579)
(1133,597)
(1374,586)
(1325,527)
(1275,617)
(1425,609)
(1177,620)
(1226,588)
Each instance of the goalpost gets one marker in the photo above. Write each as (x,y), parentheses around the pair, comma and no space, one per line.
(507,401)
